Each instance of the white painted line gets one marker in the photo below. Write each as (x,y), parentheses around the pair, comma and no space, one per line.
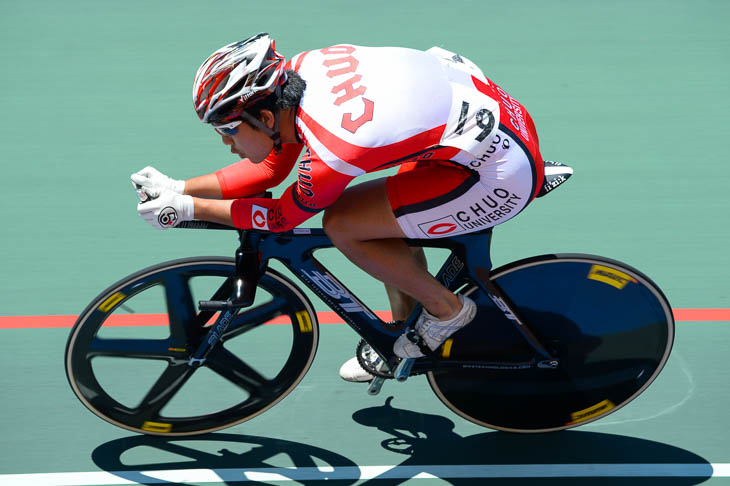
(368,472)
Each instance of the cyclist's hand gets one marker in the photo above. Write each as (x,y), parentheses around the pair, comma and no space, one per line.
(168,210)
(154,182)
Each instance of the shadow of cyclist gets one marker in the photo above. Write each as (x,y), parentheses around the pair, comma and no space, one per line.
(231,459)
(430,443)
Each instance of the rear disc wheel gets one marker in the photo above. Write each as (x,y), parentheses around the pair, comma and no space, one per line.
(610,327)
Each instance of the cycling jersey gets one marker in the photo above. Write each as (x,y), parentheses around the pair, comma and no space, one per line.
(366,109)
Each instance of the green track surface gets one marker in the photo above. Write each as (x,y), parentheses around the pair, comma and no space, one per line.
(633,94)
(677,420)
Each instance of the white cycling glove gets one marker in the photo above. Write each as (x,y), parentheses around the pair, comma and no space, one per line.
(154,182)
(168,210)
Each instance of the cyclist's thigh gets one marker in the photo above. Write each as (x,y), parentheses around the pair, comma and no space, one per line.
(435,200)
(362,212)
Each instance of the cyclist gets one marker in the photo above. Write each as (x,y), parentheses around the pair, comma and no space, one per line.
(467,154)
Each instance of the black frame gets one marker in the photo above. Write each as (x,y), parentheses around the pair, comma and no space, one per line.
(469,262)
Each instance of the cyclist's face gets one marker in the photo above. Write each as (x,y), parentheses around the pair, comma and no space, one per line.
(249,143)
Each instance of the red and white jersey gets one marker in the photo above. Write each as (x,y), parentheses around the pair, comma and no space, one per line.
(370,108)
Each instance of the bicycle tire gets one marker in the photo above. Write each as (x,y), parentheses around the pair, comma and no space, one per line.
(285,302)
(610,326)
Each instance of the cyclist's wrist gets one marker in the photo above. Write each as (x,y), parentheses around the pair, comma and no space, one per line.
(213,210)
(178,186)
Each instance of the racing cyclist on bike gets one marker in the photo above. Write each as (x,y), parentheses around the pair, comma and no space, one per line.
(467,154)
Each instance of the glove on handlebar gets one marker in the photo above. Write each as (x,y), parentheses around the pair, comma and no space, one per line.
(167,210)
(154,182)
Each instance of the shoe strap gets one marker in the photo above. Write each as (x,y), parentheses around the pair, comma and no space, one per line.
(416,339)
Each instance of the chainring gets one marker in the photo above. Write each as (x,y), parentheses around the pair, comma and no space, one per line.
(370,360)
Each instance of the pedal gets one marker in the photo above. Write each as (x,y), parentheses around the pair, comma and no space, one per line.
(403,371)
(375,385)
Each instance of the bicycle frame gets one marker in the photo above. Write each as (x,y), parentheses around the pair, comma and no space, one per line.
(468,262)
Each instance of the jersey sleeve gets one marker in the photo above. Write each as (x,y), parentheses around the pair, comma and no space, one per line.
(245,178)
(317,187)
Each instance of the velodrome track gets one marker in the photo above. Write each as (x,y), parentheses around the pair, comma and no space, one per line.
(633,94)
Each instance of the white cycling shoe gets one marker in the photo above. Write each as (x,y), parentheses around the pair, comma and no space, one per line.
(434,331)
(352,371)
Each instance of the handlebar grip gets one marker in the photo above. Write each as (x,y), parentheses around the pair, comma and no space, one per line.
(141,194)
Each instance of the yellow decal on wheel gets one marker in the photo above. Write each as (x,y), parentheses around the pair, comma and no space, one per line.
(109,303)
(305,323)
(157,427)
(446,348)
(591,412)
(610,276)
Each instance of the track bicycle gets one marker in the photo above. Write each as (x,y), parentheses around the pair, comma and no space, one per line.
(559,340)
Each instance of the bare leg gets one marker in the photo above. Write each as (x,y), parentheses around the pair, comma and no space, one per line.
(402,304)
(362,226)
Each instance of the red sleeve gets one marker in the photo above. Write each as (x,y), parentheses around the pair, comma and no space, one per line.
(317,187)
(245,178)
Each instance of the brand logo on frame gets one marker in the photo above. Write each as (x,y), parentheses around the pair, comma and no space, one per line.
(332,288)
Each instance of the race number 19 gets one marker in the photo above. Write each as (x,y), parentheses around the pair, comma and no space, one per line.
(484,119)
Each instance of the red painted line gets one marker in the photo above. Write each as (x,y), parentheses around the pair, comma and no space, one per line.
(326,317)
(701,314)
(131,320)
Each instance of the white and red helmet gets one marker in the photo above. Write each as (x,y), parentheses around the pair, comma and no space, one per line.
(235,77)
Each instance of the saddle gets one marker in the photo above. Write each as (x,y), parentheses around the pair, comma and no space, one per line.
(555,174)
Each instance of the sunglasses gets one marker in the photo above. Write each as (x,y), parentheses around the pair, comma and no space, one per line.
(227,129)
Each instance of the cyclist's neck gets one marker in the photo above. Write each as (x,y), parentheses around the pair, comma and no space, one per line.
(288,126)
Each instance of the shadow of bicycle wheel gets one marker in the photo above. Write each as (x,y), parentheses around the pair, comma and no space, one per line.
(228,458)
(564,458)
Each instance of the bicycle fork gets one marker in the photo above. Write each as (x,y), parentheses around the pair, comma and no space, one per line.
(248,271)
(213,337)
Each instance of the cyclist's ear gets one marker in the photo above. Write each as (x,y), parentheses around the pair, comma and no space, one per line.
(267,118)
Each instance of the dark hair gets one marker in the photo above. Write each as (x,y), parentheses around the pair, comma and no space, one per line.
(291,95)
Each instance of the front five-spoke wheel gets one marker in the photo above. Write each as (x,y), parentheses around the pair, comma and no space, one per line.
(128,358)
